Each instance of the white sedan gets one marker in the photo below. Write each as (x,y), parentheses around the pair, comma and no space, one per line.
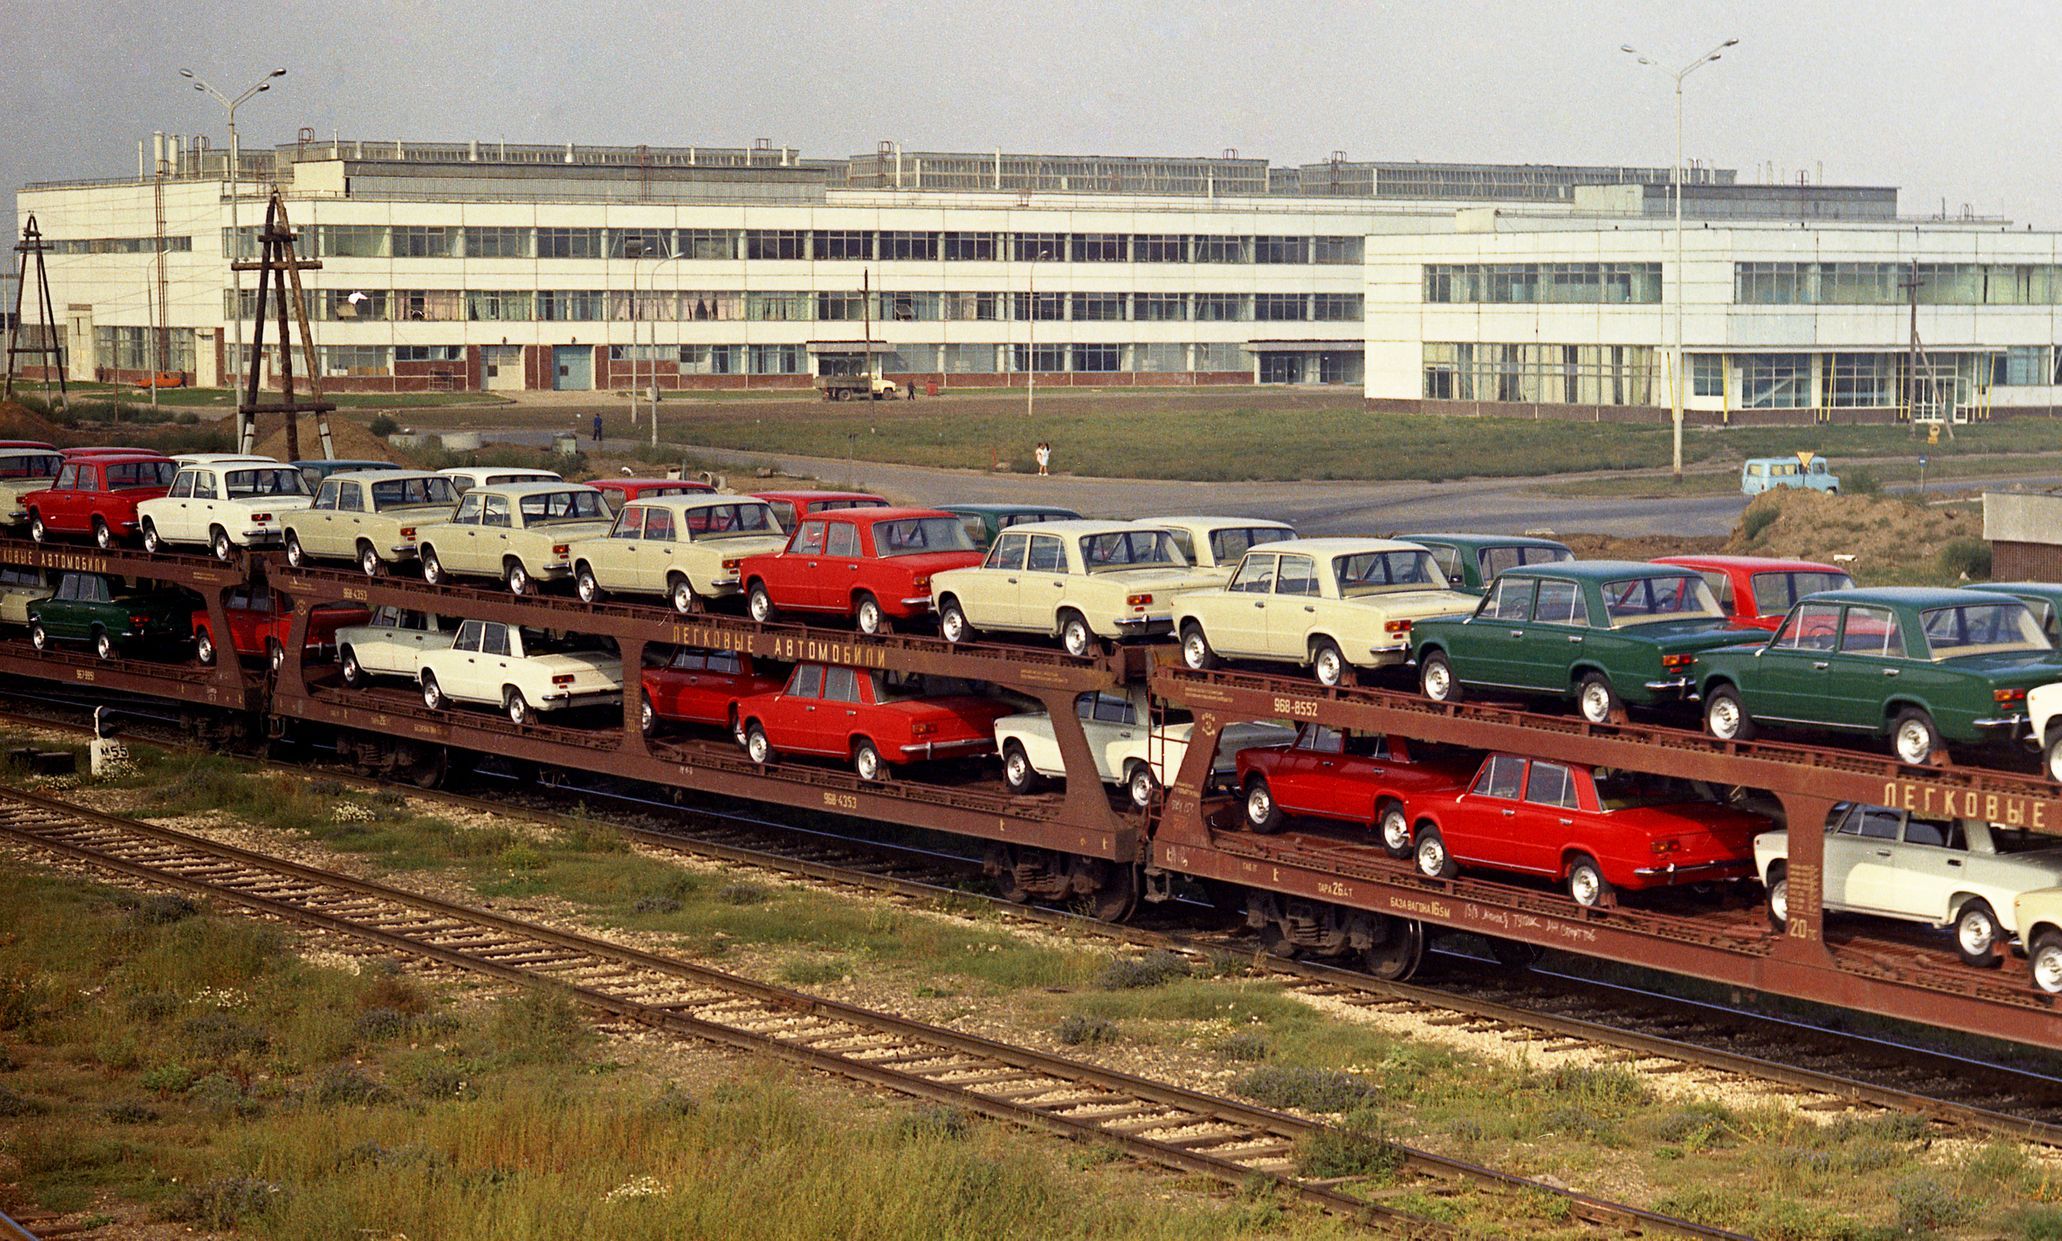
(521,671)
(391,644)
(223,504)
(1128,750)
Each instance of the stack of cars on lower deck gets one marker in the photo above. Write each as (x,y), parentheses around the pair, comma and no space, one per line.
(875,720)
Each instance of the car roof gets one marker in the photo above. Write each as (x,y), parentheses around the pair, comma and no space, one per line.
(109,450)
(529,488)
(384,476)
(698,499)
(650,482)
(1268,522)
(127,455)
(1482,540)
(470,470)
(878,513)
(818,495)
(1907,596)
(1336,545)
(1598,570)
(1764,563)
(340,464)
(26,452)
(1792,459)
(969,510)
(2044,589)
(214,458)
(1086,525)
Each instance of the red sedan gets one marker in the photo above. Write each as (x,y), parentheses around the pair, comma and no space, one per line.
(877,720)
(621,491)
(871,564)
(790,507)
(98,495)
(1757,591)
(1594,829)
(1355,777)
(700,687)
(258,627)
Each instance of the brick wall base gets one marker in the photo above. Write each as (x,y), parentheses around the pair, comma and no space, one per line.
(1654,415)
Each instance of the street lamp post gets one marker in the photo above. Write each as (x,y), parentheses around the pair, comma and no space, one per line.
(235,231)
(651,288)
(1676,367)
(1031,337)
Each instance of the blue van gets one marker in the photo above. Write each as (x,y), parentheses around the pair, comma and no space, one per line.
(1805,470)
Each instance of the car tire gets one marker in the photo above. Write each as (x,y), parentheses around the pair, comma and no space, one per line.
(1587,886)
(295,557)
(1725,716)
(1076,638)
(647,719)
(867,762)
(103,645)
(103,538)
(1018,775)
(2051,754)
(1596,701)
(347,665)
(432,567)
(517,706)
(1392,825)
(225,551)
(952,622)
(1328,663)
(37,530)
(1436,679)
(1262,814)
(517,579)
(1913,738)
(2044,962)
(368,561)
(1977,934)
(1430,855)
(1140,785)
(757,747)
(1195,648)
(152,545)
(585,585)
(1779,899)
(204,648)
(38,636)
(432,693)
(867,614)
(681,592)
(759,603)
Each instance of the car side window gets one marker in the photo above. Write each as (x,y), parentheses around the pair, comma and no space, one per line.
(1874,823)
(326,497)
(67,587)
(67,478)
(1560,603)
(1494,560)
(809,539)
(1321,740)
(807,681)
(350,498)
(1509,600)
(204,486)
(1934,834)
(1721,585)
(1448,558)
(494,640)
(1047,555)
(840,685)
(1550,784)
(100,590)
(1501,777)
(182,486)
(976,528)
(1871,631)
(1110,709)
(1811,627)
(89,479)
(1298,576)
(842,539)
(725,661)
(1008,552)
(468,636)
(629,523)
(658,525)
(468,513)
(494,511)
(1255,575)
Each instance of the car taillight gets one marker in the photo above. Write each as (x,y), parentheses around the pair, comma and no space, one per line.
(560,549)
(2008,697)
(923,728)
(261,517)
(563,678)
(1677,661)
(1398,626)
(1138,601)
(138,620)
(408,532)
(1670,845)
(921,583)
(732,566)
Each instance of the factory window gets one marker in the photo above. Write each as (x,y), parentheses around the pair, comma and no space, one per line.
(1281,249)
(2024,366)
(1280,307)
(429,353)
(643,353)
(910,247)
(1335,250)
(1159,307)
(1098,358)
(1526,283)
(776,243)
(1098,306)
(350,241)
(850,304)
(970,247)
(970,306)
(709,243)
(1539,374)
(429,305)
(1101,248)
(1707,374)
(1336,307)
(1160,358)
(569,243)
(712,305)
(1159,248)
(1858,380)
(1775,380)
(350,305)
(836,245)
(712,359)
(1223,356)
(779,307)
(911,359)
(1774,284)
(967,359)
(1047,358)
(137,348)
(1038,306)
(497,243)
(640,243)
(1038,247)
(569,305)
(1212,249)
(1222,307)
(497,305)
(778,360)
(416,241)
(354,360)
(906,307)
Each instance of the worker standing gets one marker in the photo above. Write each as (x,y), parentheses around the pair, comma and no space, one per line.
(597,428)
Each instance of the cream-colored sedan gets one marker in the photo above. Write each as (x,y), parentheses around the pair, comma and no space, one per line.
(370,517)
(23,470)
(1326,604)
(1130,750)
(1083,581)
(223,505)
(683,547)
(1214,544)
(18,589)
(522,671)
(519,533)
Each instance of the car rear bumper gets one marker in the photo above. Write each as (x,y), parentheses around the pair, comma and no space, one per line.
(1136,626)
(405,551)
(259,538)
(1695,872)
(915,604)
(948,749)
(1674,687)
(571,700)
(2008,724)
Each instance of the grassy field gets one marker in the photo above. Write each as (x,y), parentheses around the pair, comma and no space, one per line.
(93,395)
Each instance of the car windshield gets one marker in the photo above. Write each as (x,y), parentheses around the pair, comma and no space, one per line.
(395,492)
(723,521)
(904,686)
(31,465)
(126,474)
(1623,790)
(1644,600)
(1128,549)
(912,536)
(1779,591)
(554,506)
(1370,573)
(1982,629)
(274,481)
(1232,542)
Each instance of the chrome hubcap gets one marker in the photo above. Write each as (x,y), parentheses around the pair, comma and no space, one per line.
(1596,703)
(1141,788)
(1724,718)
(1977,933)
(683,598)
(953,626)
(1431,857)
(517,580)
(1779,899)
(1016,768)
(1328,667)
(1395,831)
(869,765)
(1076,638)
(762,607)
(1195,650)
(1438,681)
(1584,886)
(205,649)
(1914,742)
(2047,969)
(756,747)
(2055,760)
(1258,804)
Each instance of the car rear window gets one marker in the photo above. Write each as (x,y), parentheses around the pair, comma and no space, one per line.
(1232,542)
(277,481)
(553,506)
(1373,572)
(31,465)
(1623,790)
(1129,549)
(1779,591)
(721,521)
(913,536)
(126,474)
(393,492)
(1644,600)
(1982,628)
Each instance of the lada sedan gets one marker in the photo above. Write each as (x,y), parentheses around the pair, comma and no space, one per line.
(687,548)
(874,565)
(1130,751)
(1213,545)
(1757,592)
(98,496)
(466,477)
(519,533)
(618,492)
(985,522)
(521,671)
(874,720)
(1472,561)
(223,506)
(1889,863)
(22,470)
(790,507)
(1593,830)
(115,618)
(1363,778)
(1925,668)
(391,644)
(1330,605)
(370,518)
(2038,915)
(690,686)
(1082,581)
(258,627)
(1608,633)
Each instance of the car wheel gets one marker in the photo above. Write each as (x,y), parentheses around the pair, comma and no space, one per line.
(1017,773)
(1779,900)
(1586,883)
(275,654)
(2052,755)
(103,646)
(647,719)
(103,538)
(867,762)
(37,530)
(368,561)
(294,555)
(516,705)
(1914,738)
(224,549)
(1328,663)
(1977,933)
(682,594)
(1262,815)
(1725,717)
(1394,827)
(1195,648)
(1076,636)
(1436,679)
(517,578)
(1596,700)
(354,676)
(952,622)
(204,647)
(2044,962)
(867,611)
(585,585)
(432,693)
(1434,862)
(757,747)
(38,636)
(432,567)
(1139,781)
(151,544)
(759,604)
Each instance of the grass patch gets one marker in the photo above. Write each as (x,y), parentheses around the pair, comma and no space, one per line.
(1305,1089)
(1076,1030)
(1151,969)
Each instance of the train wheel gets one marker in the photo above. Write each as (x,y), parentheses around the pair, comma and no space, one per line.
(1114,894)
(1398,953)
(1275,943)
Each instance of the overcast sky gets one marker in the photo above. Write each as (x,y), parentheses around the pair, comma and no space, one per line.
(1946,100)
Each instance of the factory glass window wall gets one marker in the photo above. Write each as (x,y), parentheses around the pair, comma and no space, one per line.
(1552,283)
(1540,374)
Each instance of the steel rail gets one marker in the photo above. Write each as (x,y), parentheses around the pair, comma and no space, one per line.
(964,1069)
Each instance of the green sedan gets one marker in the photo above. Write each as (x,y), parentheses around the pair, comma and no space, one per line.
(1607,633)
(116,619)
(1472,561)
(1926,668)
(2044,599)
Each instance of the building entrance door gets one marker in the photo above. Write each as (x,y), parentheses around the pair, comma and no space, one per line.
(1281,368)
(572,368)
(503,365)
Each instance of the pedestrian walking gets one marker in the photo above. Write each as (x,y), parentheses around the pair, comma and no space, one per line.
(596,433)
(1044,454)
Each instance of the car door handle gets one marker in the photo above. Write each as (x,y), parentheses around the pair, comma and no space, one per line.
(1890,672)
(1510,814)
(1013,581)
(1309,608)
(1818,663)
(1328,763)
(1517,633)
(1567,823)
(1954,861)
(1124,736)
(1059,586)
(850,712)
(1260,605)
(1575,637)
(1882,853)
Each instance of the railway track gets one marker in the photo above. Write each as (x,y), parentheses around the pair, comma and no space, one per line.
(1173,1127)
(1649,1033)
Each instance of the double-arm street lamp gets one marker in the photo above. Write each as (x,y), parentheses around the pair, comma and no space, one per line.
(235,174)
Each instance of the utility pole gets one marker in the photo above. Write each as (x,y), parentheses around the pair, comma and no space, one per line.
(235,177)
(32,246)
(278,271)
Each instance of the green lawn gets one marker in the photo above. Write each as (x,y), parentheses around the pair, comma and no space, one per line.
(101,394)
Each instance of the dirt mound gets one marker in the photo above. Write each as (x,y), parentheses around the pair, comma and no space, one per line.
(352,440)
(1881,540)
(1640,547)
(19,422)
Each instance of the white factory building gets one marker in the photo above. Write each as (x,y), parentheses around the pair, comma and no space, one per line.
(1464,288)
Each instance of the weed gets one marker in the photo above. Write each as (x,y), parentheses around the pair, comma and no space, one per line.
(167,1079)
(1358,1146)
(382,425)
(219,1035)
(129,1112)
(659,903)
(1076,1030)
(1856,481)
(1150,970)
(378,1025)
(2033,1223)
(162,909)
(933,1122)
(539,1027)
(523,857)
(1310,1090)
(152,1005)
(1924,1205)
(344,1084)
(676,1102)
(221,1095)
(15,1104)
(1965,559)
(807,973)
(1760,515)
(742,893)
(1247,1045)
(390,989)
(226,1202)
